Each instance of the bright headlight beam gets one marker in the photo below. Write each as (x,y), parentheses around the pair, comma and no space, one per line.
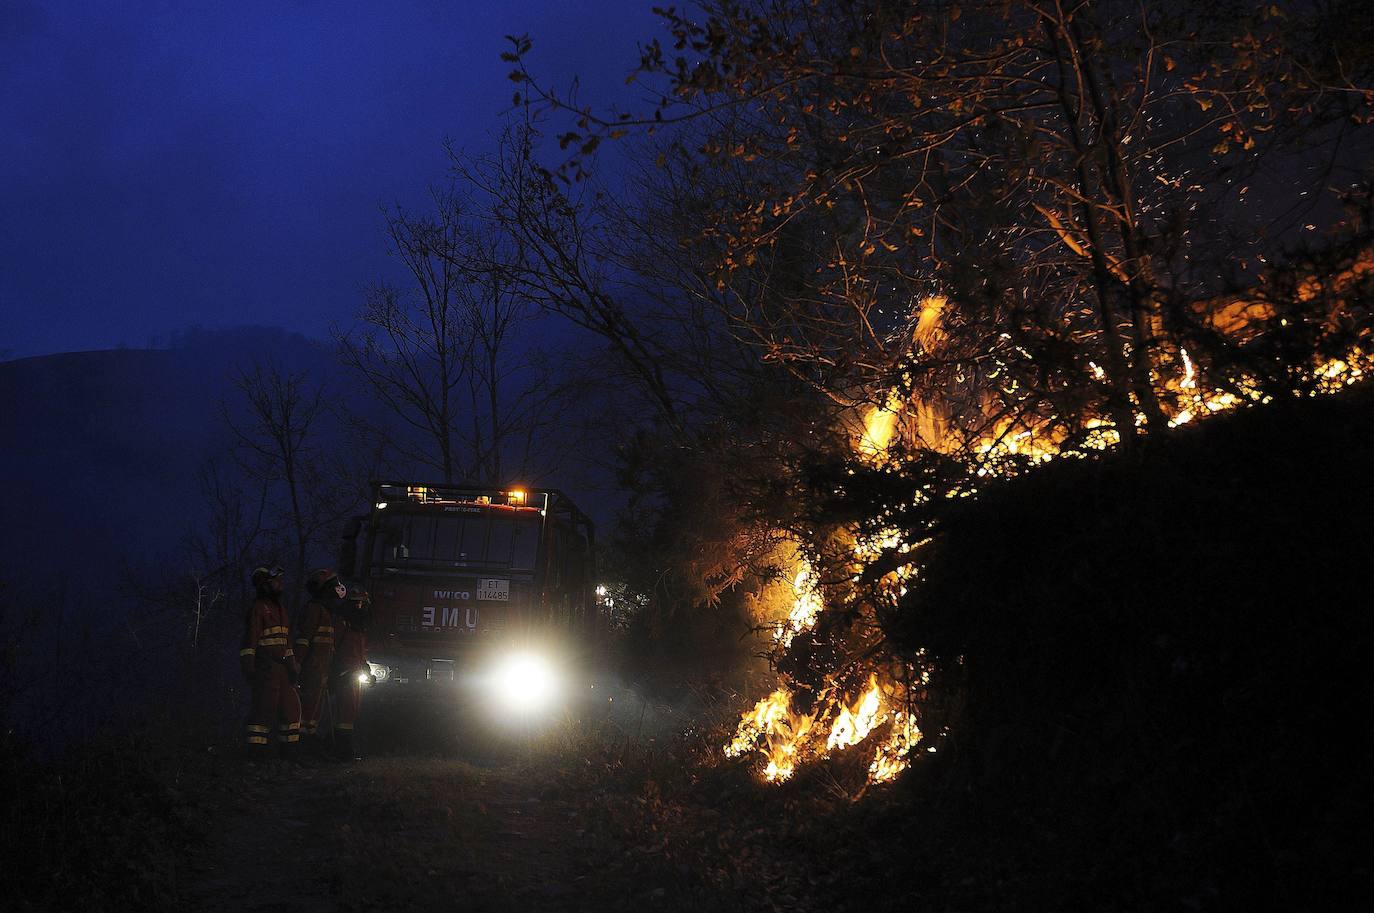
(524,682)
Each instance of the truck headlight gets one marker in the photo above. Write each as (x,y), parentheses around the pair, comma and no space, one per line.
(524,682)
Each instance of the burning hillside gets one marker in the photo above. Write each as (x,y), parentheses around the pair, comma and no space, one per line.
(868,699)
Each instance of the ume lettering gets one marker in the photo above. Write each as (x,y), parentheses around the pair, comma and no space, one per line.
(448,617)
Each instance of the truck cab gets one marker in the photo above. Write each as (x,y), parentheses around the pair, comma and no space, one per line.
(461,577)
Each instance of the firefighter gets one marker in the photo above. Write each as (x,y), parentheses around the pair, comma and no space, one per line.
(349,669)
(315,647)
(269,664)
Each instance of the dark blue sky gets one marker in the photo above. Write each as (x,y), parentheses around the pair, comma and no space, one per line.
(170,163)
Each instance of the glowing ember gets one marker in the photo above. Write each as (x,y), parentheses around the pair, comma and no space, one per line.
(891,757)
(1339,373)
(1189,380)
(869,547)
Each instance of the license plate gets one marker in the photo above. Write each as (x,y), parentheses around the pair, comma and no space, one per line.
(498,590)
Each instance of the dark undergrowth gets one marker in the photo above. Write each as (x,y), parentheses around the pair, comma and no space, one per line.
(1166,660)
(93,790)
(103,828)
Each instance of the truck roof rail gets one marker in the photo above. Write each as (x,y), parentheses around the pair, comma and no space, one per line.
(551,501)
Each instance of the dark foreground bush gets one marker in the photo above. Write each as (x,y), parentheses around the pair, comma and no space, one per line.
(98,831)
(1166,659)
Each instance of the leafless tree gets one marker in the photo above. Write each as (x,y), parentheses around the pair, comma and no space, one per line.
(451,356)
(278,444)
(556,254)
(514,396)
(219,555)
(412,349)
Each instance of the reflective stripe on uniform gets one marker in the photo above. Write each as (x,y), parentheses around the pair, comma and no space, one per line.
(247,651)
(254,727)
(272,642)
(345,726)
(257,740)
(275,629)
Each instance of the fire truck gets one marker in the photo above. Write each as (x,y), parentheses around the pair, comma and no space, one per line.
(473,588)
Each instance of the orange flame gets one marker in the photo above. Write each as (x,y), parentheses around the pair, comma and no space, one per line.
(879,424)
(806,604)
(891,757)
(781,731)
(853,725)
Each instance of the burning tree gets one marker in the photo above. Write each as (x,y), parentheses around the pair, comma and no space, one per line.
(983,235)
(1047,191)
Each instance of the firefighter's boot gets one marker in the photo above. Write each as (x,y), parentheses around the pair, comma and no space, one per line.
(344,747)
(316,747)
(258,746)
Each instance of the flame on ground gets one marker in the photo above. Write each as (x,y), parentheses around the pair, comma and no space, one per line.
(782,736)
(773,729)
(780,731)
(853,725)
(891,757)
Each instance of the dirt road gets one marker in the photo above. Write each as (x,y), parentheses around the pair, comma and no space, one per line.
(432,833)
(390,833)
(603,823)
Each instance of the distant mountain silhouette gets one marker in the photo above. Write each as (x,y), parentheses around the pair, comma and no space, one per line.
(101,449)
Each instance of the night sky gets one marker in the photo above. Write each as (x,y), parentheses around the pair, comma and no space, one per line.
(166,164)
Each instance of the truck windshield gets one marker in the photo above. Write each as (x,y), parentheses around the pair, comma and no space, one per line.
(487,538)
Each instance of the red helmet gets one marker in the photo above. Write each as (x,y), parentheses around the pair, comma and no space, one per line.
(263,574)
(321,580)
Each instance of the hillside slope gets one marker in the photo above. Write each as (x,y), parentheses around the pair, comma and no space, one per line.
(102,448)
(1166,661)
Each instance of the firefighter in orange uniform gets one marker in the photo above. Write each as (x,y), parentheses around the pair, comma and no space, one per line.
(270,667)
(350,665)
(315,646)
